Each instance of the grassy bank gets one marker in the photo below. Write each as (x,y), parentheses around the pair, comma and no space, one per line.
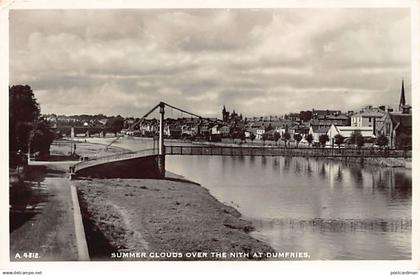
(165,219)
(170,217)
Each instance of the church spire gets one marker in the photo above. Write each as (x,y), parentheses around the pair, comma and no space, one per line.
(402,98)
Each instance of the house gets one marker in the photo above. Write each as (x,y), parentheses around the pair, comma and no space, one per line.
(396,126)
(172,130)
(317,130)
(293,117)
(328,120)
(148,127)
(347,131)
(225,130)
(215,130)
(250,131)
(301,129)
(269,135)
(186,130)
(260,132)
(322,113)
(204,129)
(367,117)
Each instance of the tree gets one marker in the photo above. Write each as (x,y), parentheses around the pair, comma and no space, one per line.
(41,138)
(23,112)
(323,139)
(286,138)
(338,139)
(309,138)
(298,138)
(242,136)
(252,137)
(264,138)
(115,124)
(382,140)
(357,139)
(305,116)
(276,136)
(27,130)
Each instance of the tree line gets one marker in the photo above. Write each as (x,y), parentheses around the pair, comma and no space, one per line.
(28,131)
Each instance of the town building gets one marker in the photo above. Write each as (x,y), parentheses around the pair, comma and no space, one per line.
(368,117)
(323,113)
(347,131)
(317,130)
(172,131)
(397,126)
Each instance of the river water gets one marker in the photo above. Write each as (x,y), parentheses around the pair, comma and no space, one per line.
(331,210)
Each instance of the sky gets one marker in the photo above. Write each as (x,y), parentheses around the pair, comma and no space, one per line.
(256,61)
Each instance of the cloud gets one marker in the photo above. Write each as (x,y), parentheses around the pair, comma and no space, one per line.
(256,61)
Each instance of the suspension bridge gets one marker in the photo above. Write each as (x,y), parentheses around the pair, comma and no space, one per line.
(150,163)
(144,163)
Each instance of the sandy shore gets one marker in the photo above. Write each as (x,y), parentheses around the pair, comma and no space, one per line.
(148,217)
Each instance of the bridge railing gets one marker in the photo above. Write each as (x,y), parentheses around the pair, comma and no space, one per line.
(114,157)
(283,151)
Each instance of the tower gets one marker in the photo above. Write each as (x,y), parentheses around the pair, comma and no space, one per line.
(225,114)
(402,97)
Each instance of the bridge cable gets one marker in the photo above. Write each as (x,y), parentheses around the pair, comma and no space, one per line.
(151,111)
(132,126)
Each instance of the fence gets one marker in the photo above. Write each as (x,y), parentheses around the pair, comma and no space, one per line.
(282,151)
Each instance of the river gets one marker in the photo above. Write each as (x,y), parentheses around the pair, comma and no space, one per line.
(331,210)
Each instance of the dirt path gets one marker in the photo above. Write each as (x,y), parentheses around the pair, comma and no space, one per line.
(42,218)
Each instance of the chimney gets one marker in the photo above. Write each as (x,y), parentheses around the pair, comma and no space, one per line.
(374,126)
(406,109)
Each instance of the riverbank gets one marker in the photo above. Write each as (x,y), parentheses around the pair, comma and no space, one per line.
(171,217)
(378,161)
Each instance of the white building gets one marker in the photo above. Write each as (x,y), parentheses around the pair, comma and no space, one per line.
(260,132)
(367,117)
(317,130)
(347,131)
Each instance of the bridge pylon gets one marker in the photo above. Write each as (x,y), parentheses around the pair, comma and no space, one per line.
(161,152)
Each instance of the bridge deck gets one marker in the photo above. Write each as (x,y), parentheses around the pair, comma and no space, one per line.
(113,158)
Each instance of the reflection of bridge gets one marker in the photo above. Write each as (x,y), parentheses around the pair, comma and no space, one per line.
(151,162)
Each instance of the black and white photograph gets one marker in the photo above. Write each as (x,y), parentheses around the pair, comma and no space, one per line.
(211,134)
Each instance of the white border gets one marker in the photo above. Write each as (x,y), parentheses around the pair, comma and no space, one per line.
(368,267)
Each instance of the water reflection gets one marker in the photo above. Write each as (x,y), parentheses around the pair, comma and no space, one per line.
(330,209)
(312,204)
